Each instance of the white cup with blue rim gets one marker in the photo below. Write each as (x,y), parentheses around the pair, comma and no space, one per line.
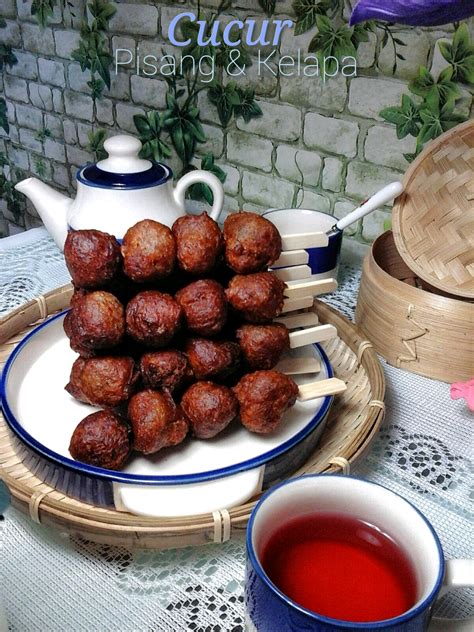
(270,610)
(324,261)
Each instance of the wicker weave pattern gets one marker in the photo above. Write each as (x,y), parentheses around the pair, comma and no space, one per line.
(433,221)
(353,423)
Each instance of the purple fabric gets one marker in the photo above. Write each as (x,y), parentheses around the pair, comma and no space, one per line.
(413,12)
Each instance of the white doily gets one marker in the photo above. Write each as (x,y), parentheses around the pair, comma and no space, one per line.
(51,583)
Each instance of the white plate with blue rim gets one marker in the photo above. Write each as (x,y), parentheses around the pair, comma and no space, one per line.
(198,476)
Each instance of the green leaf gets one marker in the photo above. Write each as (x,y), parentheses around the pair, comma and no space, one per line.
(268,6)
(306,13)
(93,55)
(96,144)
(436,118)
(201,191)
(101,11)
(444,86)
(4,116)
(406,117)
(184,127)
(149,127)
(7,57)
(247,107)
(331,41)
(460,55)
(43,9)
(225,98)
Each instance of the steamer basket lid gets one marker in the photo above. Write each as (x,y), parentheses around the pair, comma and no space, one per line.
(433,220)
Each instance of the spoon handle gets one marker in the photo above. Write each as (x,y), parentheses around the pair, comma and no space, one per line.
(382,197)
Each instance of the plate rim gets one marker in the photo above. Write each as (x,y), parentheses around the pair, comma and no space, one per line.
(115,476)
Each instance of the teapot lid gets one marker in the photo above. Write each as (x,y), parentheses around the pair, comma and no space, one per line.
(123,169)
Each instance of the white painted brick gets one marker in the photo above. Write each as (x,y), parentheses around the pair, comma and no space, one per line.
(137,19)
(257,78)
(119,86)
(364,179)
(288,159)
(207,111)
(77,156)
(313,92)
(263,191)
(382,147)
(69,131)
(125,114)
(78,79)
(334,135)
(66,42)
(313,201)
(231,184)
(41,96)
(332,174)
(11,34)
(247,150)
(9,9)
(58,101)
(415,52)
(61,175)
(28,116)
(150,92)
(78,105)
(29,141)
(366,52)
(104,109)
(37,40)
(83,130)
(19,157)
(51,72)
(16,89)
(368,96)
(25,67)
(214,142)
(280,122)
(54,124)
(439,63)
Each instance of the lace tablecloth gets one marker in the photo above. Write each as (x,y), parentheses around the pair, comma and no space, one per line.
(53,583)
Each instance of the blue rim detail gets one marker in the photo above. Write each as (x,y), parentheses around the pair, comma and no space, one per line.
(91,176)
(353,625)
(123,477)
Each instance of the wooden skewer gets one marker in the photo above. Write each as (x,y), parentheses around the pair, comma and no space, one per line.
(291,258)
(292,304)
(304,240)
(304,288)
(298,366)
(311,335)
(293,273)
(307,319)
(321,388)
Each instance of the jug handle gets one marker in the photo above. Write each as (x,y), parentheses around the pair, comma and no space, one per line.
(204,177)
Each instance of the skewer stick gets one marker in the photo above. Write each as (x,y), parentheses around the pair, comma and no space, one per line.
(312,390)
(304,240)
(307,319)
(292,304)
(293,273)
(311,335)
(298,366)
(292,258)
(296,290)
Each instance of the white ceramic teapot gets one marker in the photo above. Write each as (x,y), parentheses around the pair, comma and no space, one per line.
(116,193)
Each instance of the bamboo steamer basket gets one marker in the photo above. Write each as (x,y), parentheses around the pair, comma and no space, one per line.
(433,220)
(421,331)
(353,423)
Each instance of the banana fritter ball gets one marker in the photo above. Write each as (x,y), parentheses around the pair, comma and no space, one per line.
(263,397)
(252,243)
(101,439)
(92,257)
(156,421)
(210,359)
(258,297)
(209,408)
(204,306)
(149,251)
(153,318)
(165,370)
(97,321)
(199,243)
(263,345)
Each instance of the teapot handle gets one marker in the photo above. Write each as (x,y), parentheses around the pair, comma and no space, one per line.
(205,177)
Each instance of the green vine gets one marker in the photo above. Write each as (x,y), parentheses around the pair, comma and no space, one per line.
(8,178)
(435,109)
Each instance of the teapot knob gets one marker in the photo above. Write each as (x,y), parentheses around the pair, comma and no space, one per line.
(123,157)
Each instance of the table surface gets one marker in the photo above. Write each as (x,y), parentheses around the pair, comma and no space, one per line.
(50,582)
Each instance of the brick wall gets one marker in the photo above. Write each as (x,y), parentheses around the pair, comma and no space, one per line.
(333,129)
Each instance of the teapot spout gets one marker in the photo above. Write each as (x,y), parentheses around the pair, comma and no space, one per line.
(51,205)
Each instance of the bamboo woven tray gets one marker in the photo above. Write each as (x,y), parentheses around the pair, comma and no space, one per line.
(353,424)
(433,220)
